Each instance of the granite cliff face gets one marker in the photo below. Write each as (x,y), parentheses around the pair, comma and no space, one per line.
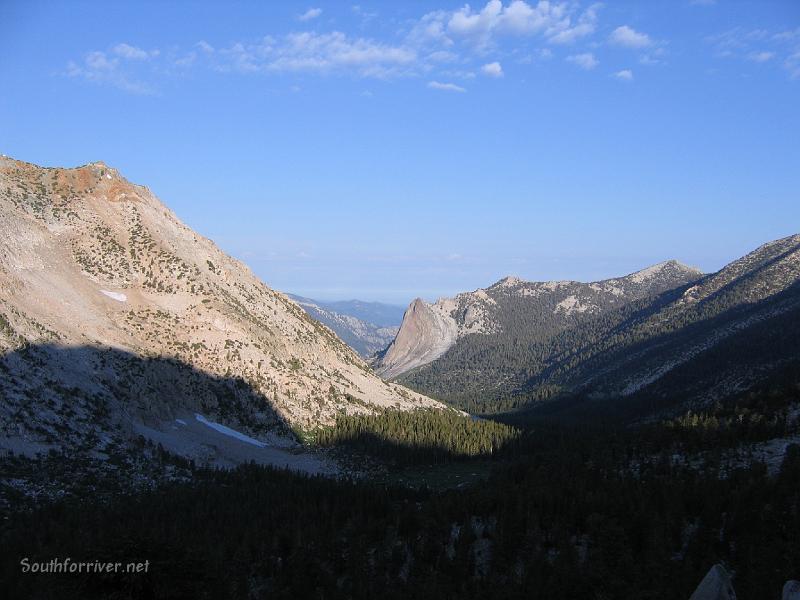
(115,316)
(430,330)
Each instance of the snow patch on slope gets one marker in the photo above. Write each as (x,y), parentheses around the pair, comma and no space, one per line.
(118,296)
(229,432)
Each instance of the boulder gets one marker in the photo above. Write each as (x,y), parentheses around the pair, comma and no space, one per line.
(716,585)
(791,591)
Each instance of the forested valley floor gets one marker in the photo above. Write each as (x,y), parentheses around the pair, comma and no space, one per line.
(564,510)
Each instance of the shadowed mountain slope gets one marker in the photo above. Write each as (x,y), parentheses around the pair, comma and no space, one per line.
(88,259)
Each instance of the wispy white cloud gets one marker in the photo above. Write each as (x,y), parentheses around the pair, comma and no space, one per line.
(557,22)
(442,57)
(540,54)
(792,64)
(585,60)
(446,87)
(736,41)
(624,75)
(629,38)
(365,15)
(317,52)
(586,25)
(650,59)
(127,67)
(184,61)
(430,31)
(311,13)
(760,46)
(492,69)
(102,68)
(133,53)
(761,57)
(464,74)
(440,45)
(790,35)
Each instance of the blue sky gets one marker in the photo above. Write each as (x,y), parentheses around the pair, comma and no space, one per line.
(391,150)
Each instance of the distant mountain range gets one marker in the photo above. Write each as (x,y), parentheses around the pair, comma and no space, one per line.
(118,321)
(664,336)
(367,327)
(513,307)
(377,313)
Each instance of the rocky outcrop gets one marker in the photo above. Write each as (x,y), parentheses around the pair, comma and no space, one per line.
(428,330)
(716,585)
(90,263)
(791,590)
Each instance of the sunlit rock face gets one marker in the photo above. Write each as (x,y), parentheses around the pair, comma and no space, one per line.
(92,262)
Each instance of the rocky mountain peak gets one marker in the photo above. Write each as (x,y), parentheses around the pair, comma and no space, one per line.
(666,269)
(507,281)
(91,260)
(426,333)
(417,305)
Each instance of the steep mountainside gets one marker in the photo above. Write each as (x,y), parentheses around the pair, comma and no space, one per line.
(116,317)
(703,340)
(512,308)
(363,336)
(721,335)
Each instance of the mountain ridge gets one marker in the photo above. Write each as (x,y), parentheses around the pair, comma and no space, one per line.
(90,259)
(428,337)
(642,349)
